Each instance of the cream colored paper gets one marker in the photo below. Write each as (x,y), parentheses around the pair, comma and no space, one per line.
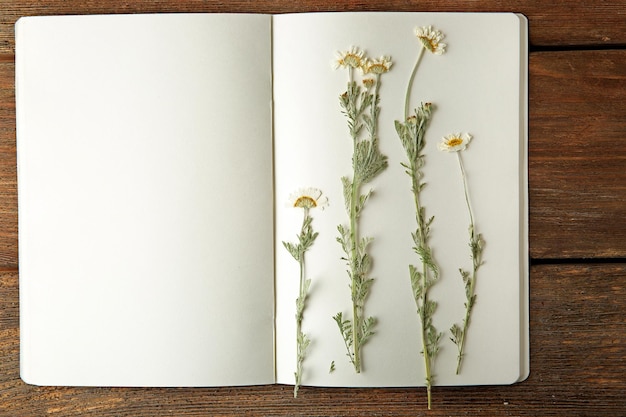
(477,86)
(145,198)
(149,223)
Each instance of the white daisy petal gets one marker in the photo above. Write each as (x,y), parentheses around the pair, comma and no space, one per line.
(377,66)
(352,58)
(308,198)
(431,39)
(454,142)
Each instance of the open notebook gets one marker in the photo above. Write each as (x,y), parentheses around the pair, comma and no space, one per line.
(155,157)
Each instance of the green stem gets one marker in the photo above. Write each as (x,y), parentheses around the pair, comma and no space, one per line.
(475,262)
(302,232)
(374,108)
(414,159)
(425,272)
(410,86)
(468,311)
(299,314)
(354,239)
(466,190)
(424,346)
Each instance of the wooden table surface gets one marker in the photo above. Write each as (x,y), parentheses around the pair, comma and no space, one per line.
(577,175)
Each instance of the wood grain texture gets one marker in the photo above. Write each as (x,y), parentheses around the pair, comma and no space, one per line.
(577,164)
(578,368)
(8,169)
(557,23)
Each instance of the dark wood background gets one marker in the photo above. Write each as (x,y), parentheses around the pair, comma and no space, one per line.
(577,174)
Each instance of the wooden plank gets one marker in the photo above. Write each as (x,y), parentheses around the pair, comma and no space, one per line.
(578,346)
(8,170)
(556,24)
(577,167)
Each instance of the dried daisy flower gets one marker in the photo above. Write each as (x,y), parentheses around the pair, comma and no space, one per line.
(306,199)
(352,58)
(454,142)
(411,132)
(431,39)
(377,66)
(457,143)
(360,105)
(368,83)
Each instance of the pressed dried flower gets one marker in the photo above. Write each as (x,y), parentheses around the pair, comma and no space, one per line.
(305,198)
(352,58)
(368,83)
(308,198)
(412,136)
(377,66)
(360,106)
(454,142)
(431,39)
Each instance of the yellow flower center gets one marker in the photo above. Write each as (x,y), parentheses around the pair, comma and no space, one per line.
(368,82)
(429,44)
(351,60)
(377,69)
(305,202)
(455,142)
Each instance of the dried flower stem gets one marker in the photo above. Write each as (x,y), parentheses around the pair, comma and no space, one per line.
(466,190)
(360,106)
(411,133)
(298,251)
(476,246)
(410,86)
